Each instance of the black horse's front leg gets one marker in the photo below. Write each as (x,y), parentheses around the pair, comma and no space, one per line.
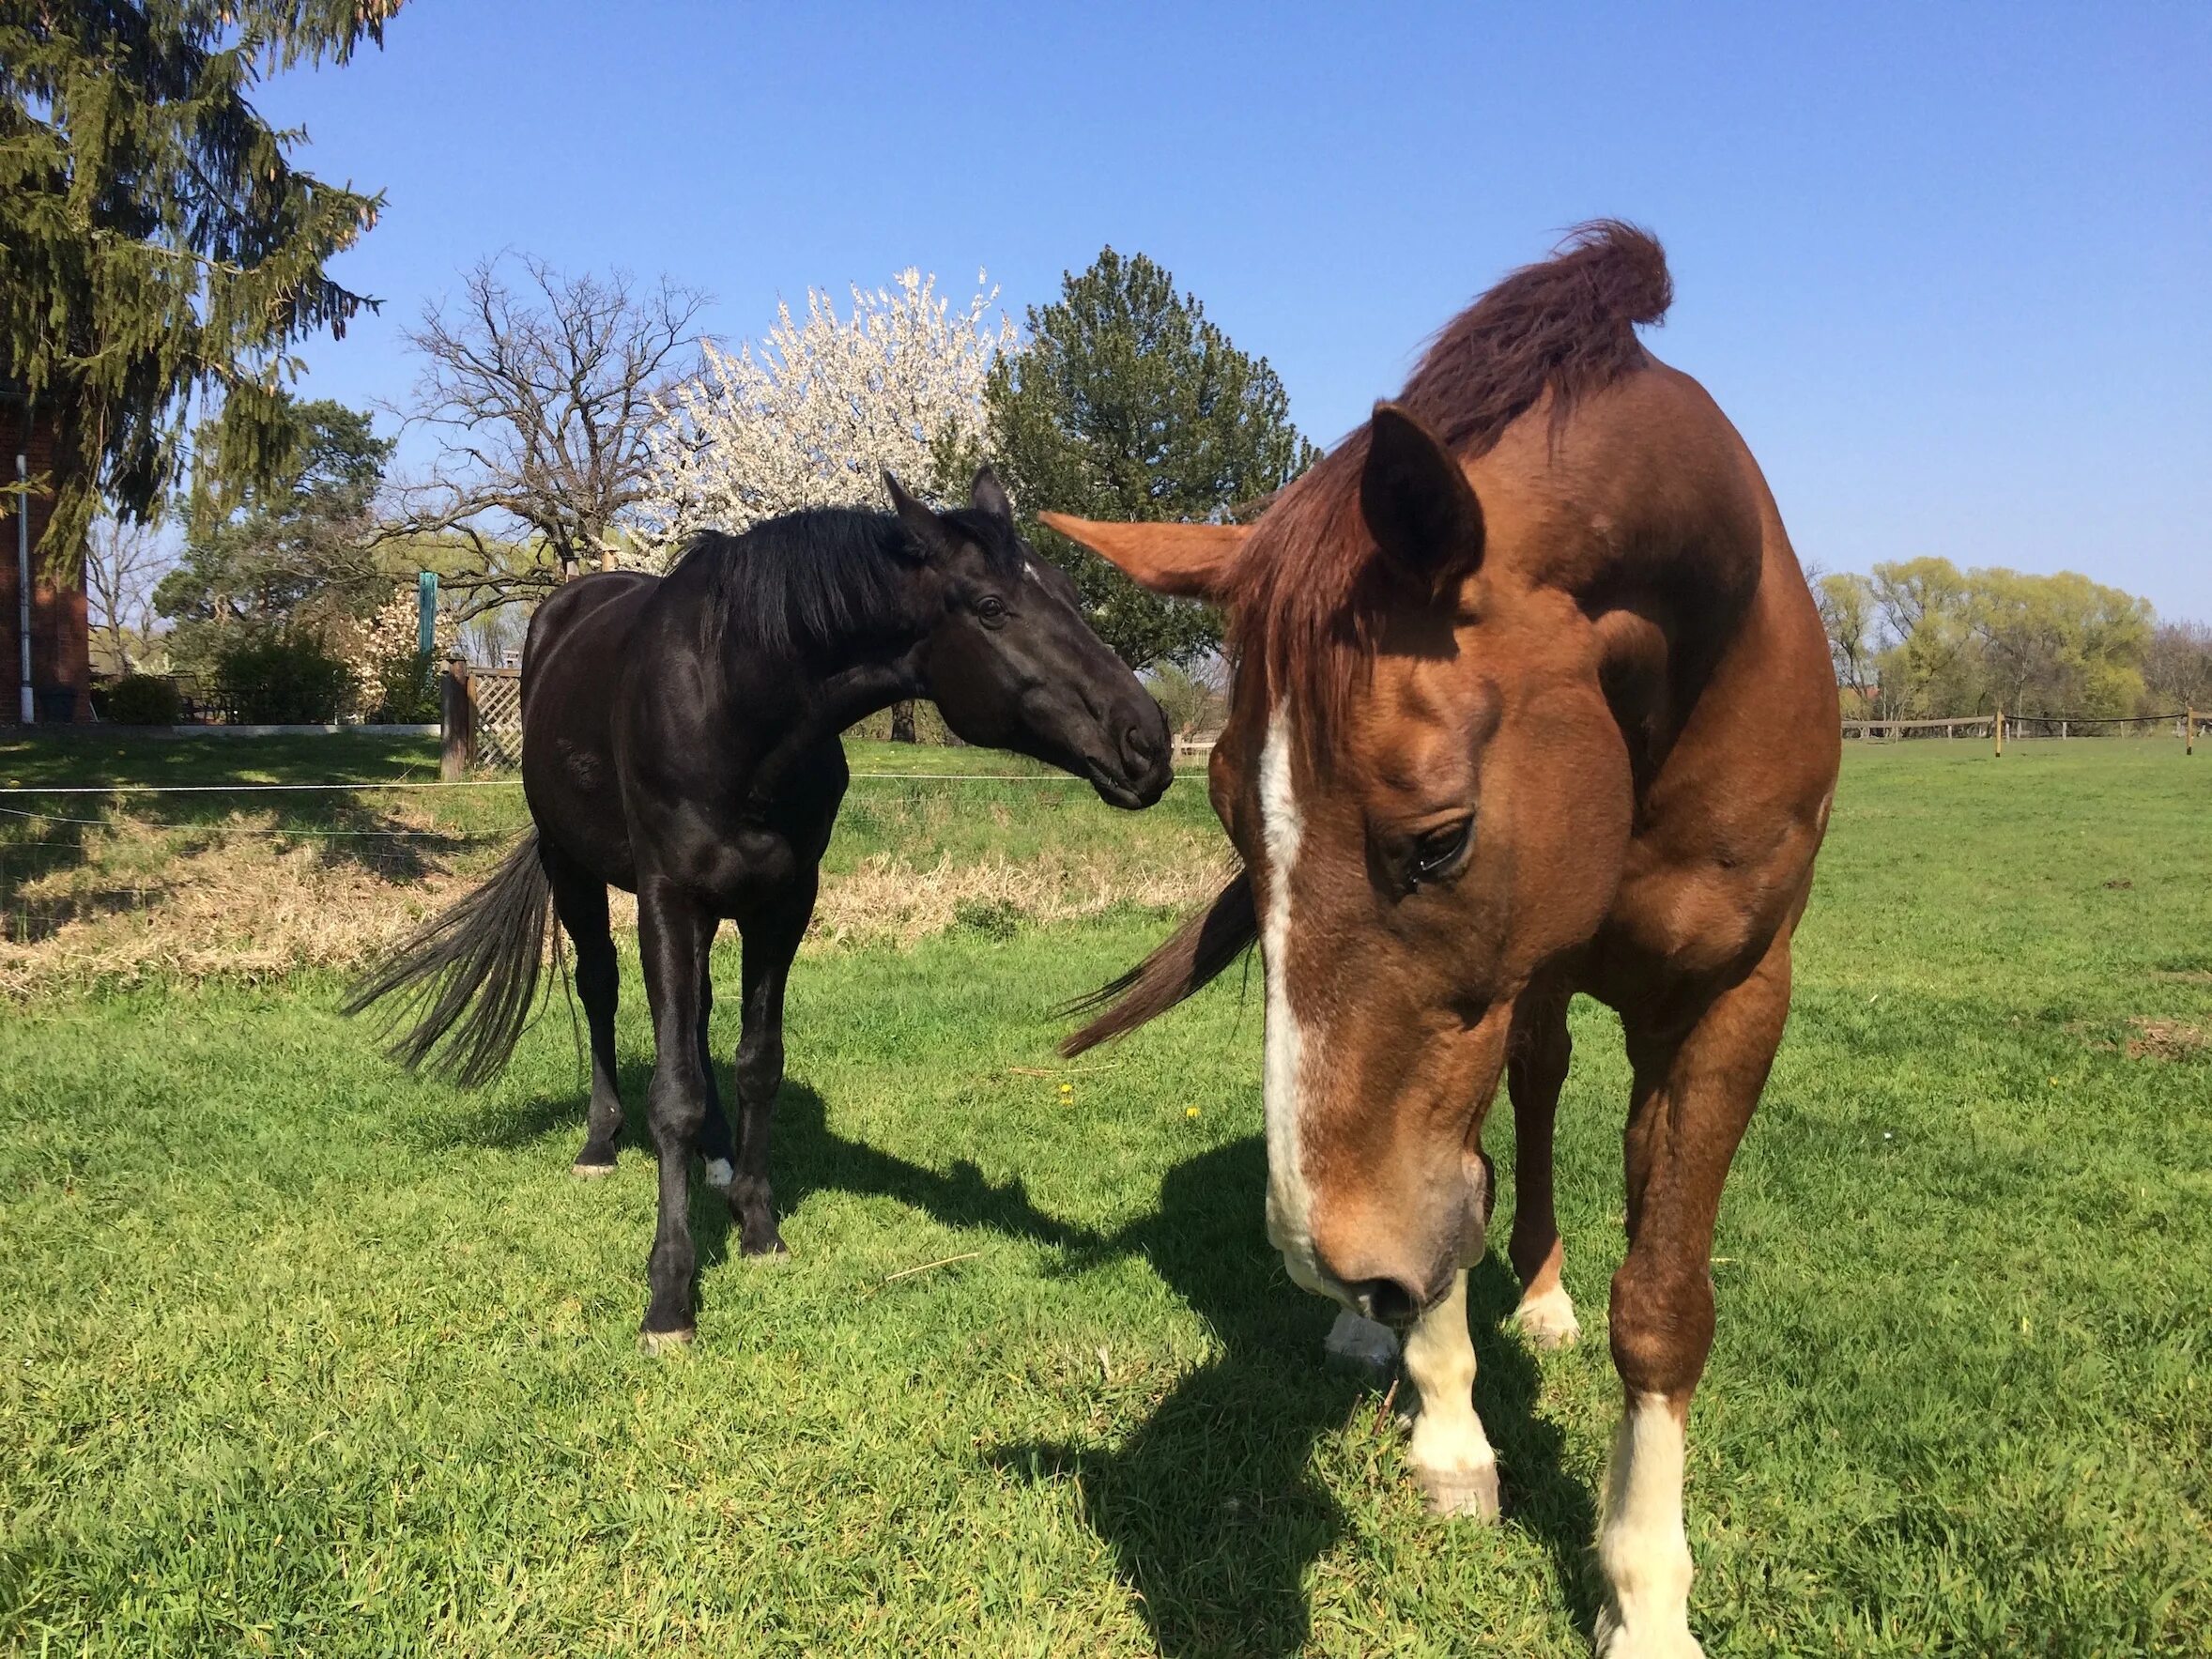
(770,942)
(717,1148)
(668,925)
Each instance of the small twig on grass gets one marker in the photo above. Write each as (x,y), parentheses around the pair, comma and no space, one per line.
(910,1272)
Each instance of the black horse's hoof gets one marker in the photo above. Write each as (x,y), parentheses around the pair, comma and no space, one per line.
(770,1253)
(662,1342)
(590,1169)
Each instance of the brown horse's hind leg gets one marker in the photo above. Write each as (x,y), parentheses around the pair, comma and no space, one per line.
(1536,1071)
(1694,1091)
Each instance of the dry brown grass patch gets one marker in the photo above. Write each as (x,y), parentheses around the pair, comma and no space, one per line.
(2165,1039)
(241,902)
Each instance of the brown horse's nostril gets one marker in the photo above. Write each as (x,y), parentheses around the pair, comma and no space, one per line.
(1384,1301)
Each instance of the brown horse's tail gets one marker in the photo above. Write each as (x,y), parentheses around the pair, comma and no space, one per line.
(1196,952)
(471,973)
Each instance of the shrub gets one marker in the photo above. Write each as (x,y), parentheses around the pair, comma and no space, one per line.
(283,679)
(406,691)
(143,699)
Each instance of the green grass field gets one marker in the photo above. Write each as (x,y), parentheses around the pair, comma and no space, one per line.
(299,1356)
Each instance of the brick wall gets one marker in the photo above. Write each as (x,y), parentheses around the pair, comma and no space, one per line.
(60,639)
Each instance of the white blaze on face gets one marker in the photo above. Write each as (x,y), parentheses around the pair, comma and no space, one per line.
(1289,1221)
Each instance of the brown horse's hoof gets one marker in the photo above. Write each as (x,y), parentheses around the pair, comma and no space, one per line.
(1461,1493)
(661,1342)
(589,1171)
(1548,1321)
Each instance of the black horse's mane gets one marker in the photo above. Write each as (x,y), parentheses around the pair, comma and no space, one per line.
(797,583)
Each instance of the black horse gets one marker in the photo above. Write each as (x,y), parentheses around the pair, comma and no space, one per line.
(681,742)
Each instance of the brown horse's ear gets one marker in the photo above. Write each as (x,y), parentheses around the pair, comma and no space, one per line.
(1417,504)
(1187,560)
(920,523)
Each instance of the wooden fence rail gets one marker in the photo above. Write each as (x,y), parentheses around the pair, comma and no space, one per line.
(482,711)
(1971,725)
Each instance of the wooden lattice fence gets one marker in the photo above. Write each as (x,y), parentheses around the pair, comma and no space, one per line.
(482,717)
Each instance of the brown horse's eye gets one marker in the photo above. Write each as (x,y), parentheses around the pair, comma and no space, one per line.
(991,608)
(1435,852)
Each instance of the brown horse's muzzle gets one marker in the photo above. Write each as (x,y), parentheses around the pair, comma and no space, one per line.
(1391,1263)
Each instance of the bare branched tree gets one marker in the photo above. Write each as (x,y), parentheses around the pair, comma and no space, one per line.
(124,559)
(540,390)
(2177,667)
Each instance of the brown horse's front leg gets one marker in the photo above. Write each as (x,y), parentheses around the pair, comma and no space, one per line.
(1450,1454)
(1536,1071)
(1695,1092)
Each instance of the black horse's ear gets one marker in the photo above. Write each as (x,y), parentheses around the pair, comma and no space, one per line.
(989,496)
(921,524)
(1417,504)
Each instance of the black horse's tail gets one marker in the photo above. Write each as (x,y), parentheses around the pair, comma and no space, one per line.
(472,972)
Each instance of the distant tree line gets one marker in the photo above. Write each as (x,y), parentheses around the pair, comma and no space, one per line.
(582,424)
(1922,638)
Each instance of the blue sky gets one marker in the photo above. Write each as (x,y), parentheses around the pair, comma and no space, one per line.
(1946,266)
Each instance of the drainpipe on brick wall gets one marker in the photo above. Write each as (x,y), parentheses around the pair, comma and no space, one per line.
(22,577)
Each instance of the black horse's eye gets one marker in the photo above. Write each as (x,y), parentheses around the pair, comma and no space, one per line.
(991,608)
(1435,852)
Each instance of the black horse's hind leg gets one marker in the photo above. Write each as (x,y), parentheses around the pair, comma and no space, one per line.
(580,901)
(717,1150)
(667,938)
(770,942)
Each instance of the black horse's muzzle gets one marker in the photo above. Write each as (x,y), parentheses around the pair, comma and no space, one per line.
(1143,764)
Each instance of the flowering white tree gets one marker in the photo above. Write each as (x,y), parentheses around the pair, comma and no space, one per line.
(813,414)
(382,653)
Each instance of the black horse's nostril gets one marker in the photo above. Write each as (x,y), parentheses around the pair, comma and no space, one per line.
(1385,1302)
(1142,747)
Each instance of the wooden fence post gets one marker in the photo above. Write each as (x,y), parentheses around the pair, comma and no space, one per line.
(459,719)
(2188,732)
(2000,735)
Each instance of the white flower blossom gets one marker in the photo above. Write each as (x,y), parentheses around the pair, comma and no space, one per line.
(370,647)
(812,415)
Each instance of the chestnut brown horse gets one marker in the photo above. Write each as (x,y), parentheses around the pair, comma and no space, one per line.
(1531,699)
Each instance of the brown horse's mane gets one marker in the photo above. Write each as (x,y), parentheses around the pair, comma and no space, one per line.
(1566,327)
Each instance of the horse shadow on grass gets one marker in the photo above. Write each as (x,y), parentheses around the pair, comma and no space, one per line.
(806,1156)
(1212,1507)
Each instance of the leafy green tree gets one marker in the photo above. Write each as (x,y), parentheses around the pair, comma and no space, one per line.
(159,254)
(1931,668)
(2058,644)
(297,555)
(1127,403)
